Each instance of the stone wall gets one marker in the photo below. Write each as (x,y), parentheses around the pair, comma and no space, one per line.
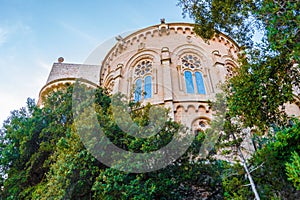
(74,71)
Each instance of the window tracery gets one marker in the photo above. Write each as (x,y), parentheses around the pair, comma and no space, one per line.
(143,67)
(143,80)
(190,61)
(191,65)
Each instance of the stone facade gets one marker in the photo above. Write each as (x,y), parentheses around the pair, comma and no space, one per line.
(164,64)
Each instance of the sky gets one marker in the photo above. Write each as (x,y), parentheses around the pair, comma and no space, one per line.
(34,33)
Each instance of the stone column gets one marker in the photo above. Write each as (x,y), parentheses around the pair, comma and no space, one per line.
(117,77)
(216,73)
(167,80)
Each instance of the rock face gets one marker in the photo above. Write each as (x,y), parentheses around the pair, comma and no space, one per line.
(165,64)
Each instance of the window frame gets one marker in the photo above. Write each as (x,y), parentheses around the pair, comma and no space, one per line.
(145,90)
(192,74)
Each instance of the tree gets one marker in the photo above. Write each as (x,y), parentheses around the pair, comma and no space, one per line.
(293,170)
(232,135)
(43,156)
(268,74)
(28,140)
(19,144)
(273,167)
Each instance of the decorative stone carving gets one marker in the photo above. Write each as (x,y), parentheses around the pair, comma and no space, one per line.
(121,43)
(189,39)
(110,86)
(163,28)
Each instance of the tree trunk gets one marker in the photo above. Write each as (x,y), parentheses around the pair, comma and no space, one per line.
(253,187)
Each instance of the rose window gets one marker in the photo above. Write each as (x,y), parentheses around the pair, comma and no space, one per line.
(143,67)
(190,61)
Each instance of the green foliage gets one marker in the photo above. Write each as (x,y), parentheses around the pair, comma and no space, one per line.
(234,183)
(274,156)
(72,173)
(172,182)
(267,77)
(182,179)
(28,140)
(44,158)
(268,71)
(293,170)
(227,16)
(270,169)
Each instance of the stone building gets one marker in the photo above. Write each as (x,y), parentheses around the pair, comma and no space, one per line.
(165,64)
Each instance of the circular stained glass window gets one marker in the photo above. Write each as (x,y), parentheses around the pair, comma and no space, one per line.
(191,61)
(143,67)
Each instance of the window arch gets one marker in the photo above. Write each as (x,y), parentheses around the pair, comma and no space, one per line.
(191,66)
(200,125)
(143,80)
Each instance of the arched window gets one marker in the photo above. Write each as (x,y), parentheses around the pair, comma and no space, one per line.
(191,66)
(199,83)
(143,80)
(138,90)
(200,125)
(189,82)
(148,87)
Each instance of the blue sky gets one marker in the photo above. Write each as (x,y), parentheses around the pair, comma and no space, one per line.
(34,33)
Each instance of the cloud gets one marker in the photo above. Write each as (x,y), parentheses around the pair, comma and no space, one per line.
(3,35)
(8,33)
